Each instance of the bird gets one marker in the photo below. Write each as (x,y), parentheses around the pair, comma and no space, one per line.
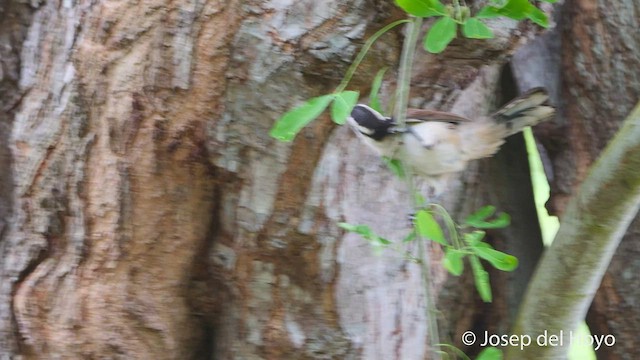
(433,143)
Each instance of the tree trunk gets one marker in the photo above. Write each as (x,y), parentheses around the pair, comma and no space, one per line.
(597,86)
(602,86)
(148,214)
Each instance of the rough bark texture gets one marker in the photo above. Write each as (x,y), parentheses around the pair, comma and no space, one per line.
(602,86)
(111,177)
(594,69)
(15,19)
(593,225)
(147,213)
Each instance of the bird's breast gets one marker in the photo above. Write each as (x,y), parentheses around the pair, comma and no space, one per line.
(432,148)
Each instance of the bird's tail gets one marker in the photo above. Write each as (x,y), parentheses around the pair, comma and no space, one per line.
(526,110)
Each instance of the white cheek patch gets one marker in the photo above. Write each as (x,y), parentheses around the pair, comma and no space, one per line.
(365,130)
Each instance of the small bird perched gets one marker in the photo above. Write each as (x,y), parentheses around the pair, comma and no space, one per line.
(435,143)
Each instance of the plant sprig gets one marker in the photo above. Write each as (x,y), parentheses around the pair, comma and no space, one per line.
(342,101)
(445,29)
(436,40)
(460,241)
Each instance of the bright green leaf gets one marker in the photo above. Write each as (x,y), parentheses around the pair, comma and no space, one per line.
(497,259)
(409,238)
(551,1)
(501,221)
(374,99)
(288,126)
(481,214)
(473,238)
(440,35)
(347,226)
(395,166)
(476,29)
(422,8)
(342,106)
(366,232)
(363,230)
(453,261)
(488,12)
(490,353)
(378,240)
(481,279)
(538,16)
(428,227)
(516,9)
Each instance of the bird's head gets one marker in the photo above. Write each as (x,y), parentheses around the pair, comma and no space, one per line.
(369,122)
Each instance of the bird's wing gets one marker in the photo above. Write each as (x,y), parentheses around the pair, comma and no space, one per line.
(422,115)
(532,99)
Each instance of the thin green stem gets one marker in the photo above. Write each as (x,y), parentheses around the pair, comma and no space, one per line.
(404,73)
(451,225)
(455,350)
(456,11)
(431,310)
(400,112)
(363,52)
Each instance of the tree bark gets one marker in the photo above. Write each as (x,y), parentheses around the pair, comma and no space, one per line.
(593,225)
(597,86)
(603,86)
(148,214)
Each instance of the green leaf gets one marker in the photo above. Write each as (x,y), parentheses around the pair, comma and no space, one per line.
(488,12)
(358,229)
(422,8)
(342,106)
(428,227)
(516,9)
(481,214)
(366,232)
(481,279)
(453,261)
(476,29)
(538,16)
(440,35)
(490,353)
(395,166)
(473,238)
(411,237)
(497,259)
(374,100)
(379,240)
(288,126)
(479,219)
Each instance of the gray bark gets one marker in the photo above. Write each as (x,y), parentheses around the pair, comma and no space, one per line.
(149,214)
(593,224)
(592,65)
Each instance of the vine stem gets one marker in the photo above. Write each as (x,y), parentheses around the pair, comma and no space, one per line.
(431,311)
(363,52)
(400,113)
(404,72)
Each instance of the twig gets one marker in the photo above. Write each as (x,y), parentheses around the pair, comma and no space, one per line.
(400,112)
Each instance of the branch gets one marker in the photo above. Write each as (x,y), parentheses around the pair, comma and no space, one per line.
(595,221)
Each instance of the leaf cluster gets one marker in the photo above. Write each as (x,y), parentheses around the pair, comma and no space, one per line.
(445,29)
(458,241)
